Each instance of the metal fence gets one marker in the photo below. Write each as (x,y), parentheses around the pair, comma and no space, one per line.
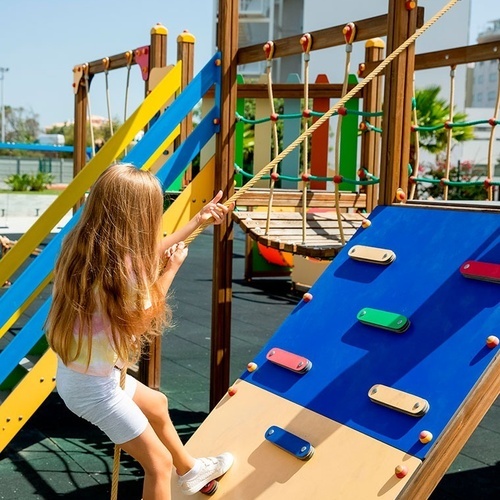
(60,168)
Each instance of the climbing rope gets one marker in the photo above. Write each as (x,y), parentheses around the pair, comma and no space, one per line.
(306,43)
(116,457)
(416,158)
(269,50)
(129,58)
(105,62)
(89,111)
(493,122)
(329,113)
(349,32)
(449,131)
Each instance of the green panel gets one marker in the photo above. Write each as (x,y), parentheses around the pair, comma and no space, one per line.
(40,347)
(240,129)
(349,141)
(13,379)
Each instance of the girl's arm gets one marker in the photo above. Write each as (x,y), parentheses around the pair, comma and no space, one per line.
(174,256)
(213,209)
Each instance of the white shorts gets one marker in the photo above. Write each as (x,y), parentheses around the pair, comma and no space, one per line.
(101,401)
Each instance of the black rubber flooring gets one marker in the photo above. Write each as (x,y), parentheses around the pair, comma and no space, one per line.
(57,455)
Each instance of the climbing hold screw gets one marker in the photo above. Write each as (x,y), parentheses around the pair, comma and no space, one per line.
(366,223)
(400,195)
(401,471)
(251,367)
(425,437)
(307,297)
(492,341)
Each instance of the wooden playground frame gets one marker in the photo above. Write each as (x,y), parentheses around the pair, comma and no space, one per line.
(399,24)
(389,156)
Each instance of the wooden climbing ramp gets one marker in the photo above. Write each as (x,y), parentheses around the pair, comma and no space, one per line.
(372,385)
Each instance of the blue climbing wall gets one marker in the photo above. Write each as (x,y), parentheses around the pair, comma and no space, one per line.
(439,358)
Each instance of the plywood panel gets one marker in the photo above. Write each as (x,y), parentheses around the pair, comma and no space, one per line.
(346,464)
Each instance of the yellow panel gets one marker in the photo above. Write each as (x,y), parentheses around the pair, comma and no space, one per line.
(346,463)
(17,314)
(107,155)
(158,159)
(191,200)
(27,397)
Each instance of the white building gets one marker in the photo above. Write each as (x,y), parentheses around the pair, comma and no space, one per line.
(263,20)
(483,84)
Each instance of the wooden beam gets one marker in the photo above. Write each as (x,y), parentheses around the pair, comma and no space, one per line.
(115,62)
(448,57)
(322,39)
(224,179)
(290,90)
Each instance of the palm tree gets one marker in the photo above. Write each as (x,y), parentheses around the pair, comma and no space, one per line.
(433,111)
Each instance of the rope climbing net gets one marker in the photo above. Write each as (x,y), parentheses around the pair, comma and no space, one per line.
(335,108)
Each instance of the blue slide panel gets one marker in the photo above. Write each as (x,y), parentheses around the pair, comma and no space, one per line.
(20,345)
(177,111)
(187,151)
(440,357)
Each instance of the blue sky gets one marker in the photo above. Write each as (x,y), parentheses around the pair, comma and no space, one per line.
(42,40)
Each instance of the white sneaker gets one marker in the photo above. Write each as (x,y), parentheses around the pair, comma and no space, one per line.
(211,468)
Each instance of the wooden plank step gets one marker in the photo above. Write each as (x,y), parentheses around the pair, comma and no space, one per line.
(293,198)
(295,216)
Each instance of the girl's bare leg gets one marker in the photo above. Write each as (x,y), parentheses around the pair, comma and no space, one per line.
(154,405)
(156,461)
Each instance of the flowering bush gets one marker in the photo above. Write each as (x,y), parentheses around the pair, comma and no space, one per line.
(463,172)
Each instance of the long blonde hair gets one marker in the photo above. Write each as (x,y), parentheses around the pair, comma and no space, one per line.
(109,265)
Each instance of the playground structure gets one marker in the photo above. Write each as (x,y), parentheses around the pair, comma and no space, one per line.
(390,225)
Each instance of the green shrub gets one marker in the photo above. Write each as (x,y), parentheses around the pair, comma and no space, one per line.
(39,181)
(18,182)
(29,182)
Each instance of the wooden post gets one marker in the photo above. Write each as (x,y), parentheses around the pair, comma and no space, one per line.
(372,102)
(185,53)
(224,179)
(157,50)
(396,123)
(150,365)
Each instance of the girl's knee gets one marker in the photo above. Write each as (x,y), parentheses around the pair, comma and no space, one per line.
(158,409)
(159,463)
